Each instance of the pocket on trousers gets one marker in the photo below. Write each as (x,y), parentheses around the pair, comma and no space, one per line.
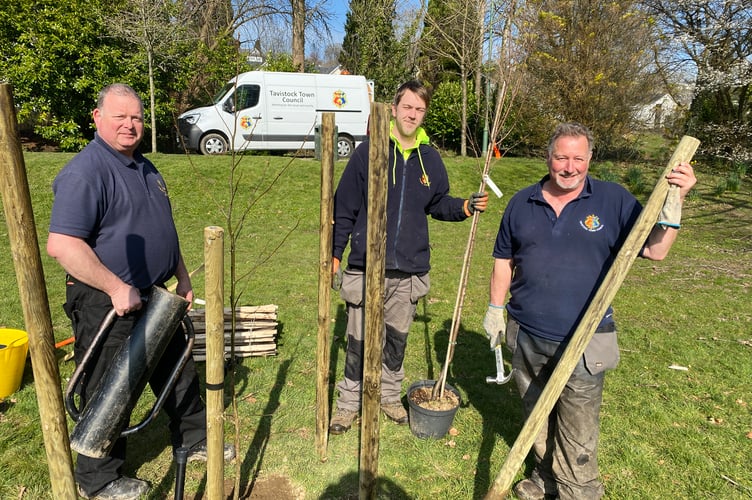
(513,328)
(353,283)
(420,286)
(602,353)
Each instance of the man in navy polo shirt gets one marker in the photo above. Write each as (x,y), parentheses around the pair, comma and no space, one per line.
(556,242)
(112,231)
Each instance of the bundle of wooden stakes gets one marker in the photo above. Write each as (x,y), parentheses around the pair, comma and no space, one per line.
(255,331)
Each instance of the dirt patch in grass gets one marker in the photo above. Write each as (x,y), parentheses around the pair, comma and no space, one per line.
(273,487)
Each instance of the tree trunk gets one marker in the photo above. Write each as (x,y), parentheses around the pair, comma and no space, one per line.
(152,103)
(463,134)
(479,63)
(298,34)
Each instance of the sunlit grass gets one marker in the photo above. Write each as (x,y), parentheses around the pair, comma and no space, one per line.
(666,433)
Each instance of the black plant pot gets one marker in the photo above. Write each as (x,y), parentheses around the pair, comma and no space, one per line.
(427,423)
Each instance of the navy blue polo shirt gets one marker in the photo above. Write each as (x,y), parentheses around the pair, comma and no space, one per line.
(559,262)
(120,207)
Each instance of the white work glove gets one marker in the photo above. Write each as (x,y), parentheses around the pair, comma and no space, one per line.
(671,212)
(495,324)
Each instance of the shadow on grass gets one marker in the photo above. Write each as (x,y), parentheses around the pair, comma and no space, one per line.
(499,406)
(146,445)
(339,344)
(348,486)
(422,316)
(253,457)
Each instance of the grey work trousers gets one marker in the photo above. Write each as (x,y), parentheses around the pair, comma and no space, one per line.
(566,450)
(401,294)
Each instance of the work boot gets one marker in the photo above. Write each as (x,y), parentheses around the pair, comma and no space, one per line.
(342,421)
(395,411)
(528,490)
(198,453)
(122,488)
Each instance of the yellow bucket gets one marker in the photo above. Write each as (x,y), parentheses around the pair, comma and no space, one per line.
(14,345)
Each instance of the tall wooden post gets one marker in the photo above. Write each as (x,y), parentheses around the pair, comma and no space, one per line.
(589,322)
(19,215)
(374,299)
(215,361)
(325,280)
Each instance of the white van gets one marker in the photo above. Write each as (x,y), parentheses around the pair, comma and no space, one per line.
(264,110)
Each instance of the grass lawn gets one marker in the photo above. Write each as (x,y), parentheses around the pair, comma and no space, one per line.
(665,433)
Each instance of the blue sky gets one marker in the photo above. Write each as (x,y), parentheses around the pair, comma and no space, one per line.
(339,15)
(339,10)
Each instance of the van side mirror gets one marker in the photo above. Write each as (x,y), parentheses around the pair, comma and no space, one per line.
(229,105)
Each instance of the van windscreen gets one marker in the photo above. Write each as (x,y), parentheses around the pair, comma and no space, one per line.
(219,95)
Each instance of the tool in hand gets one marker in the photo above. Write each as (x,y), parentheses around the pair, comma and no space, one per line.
(500,378)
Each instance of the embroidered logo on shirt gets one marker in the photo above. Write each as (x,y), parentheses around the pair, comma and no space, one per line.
(591,223)
(162,187)
(424,180)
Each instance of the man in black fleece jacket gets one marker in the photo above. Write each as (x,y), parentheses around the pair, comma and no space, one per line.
(418,186)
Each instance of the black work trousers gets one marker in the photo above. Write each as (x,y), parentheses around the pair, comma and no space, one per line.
(86,307)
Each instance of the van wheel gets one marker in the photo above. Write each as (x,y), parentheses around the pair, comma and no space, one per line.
(345,146)
(213,144)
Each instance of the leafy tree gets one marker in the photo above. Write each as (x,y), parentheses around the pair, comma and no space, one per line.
(433,61)
(370,45)
(451,40)
(155,29)
(713,41)
(281,61)
(213,56)
(589,61)
(444,119)
(54,55)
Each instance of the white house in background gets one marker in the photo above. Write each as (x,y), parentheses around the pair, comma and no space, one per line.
(661,109)
(657,112)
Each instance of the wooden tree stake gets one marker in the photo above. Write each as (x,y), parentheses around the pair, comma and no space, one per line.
(19,215)
(325,280)
(374,299)
(215,360)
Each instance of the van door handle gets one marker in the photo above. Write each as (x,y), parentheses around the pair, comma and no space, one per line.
(279,117)
(257,117)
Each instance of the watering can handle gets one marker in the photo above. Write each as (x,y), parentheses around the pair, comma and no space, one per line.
(75,379)
(171,381)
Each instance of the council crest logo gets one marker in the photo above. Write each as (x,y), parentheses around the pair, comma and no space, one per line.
(592,223)
(339,98)
(246,122)
(162,187)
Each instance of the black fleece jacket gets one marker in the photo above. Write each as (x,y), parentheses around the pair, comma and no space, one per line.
(417,188)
